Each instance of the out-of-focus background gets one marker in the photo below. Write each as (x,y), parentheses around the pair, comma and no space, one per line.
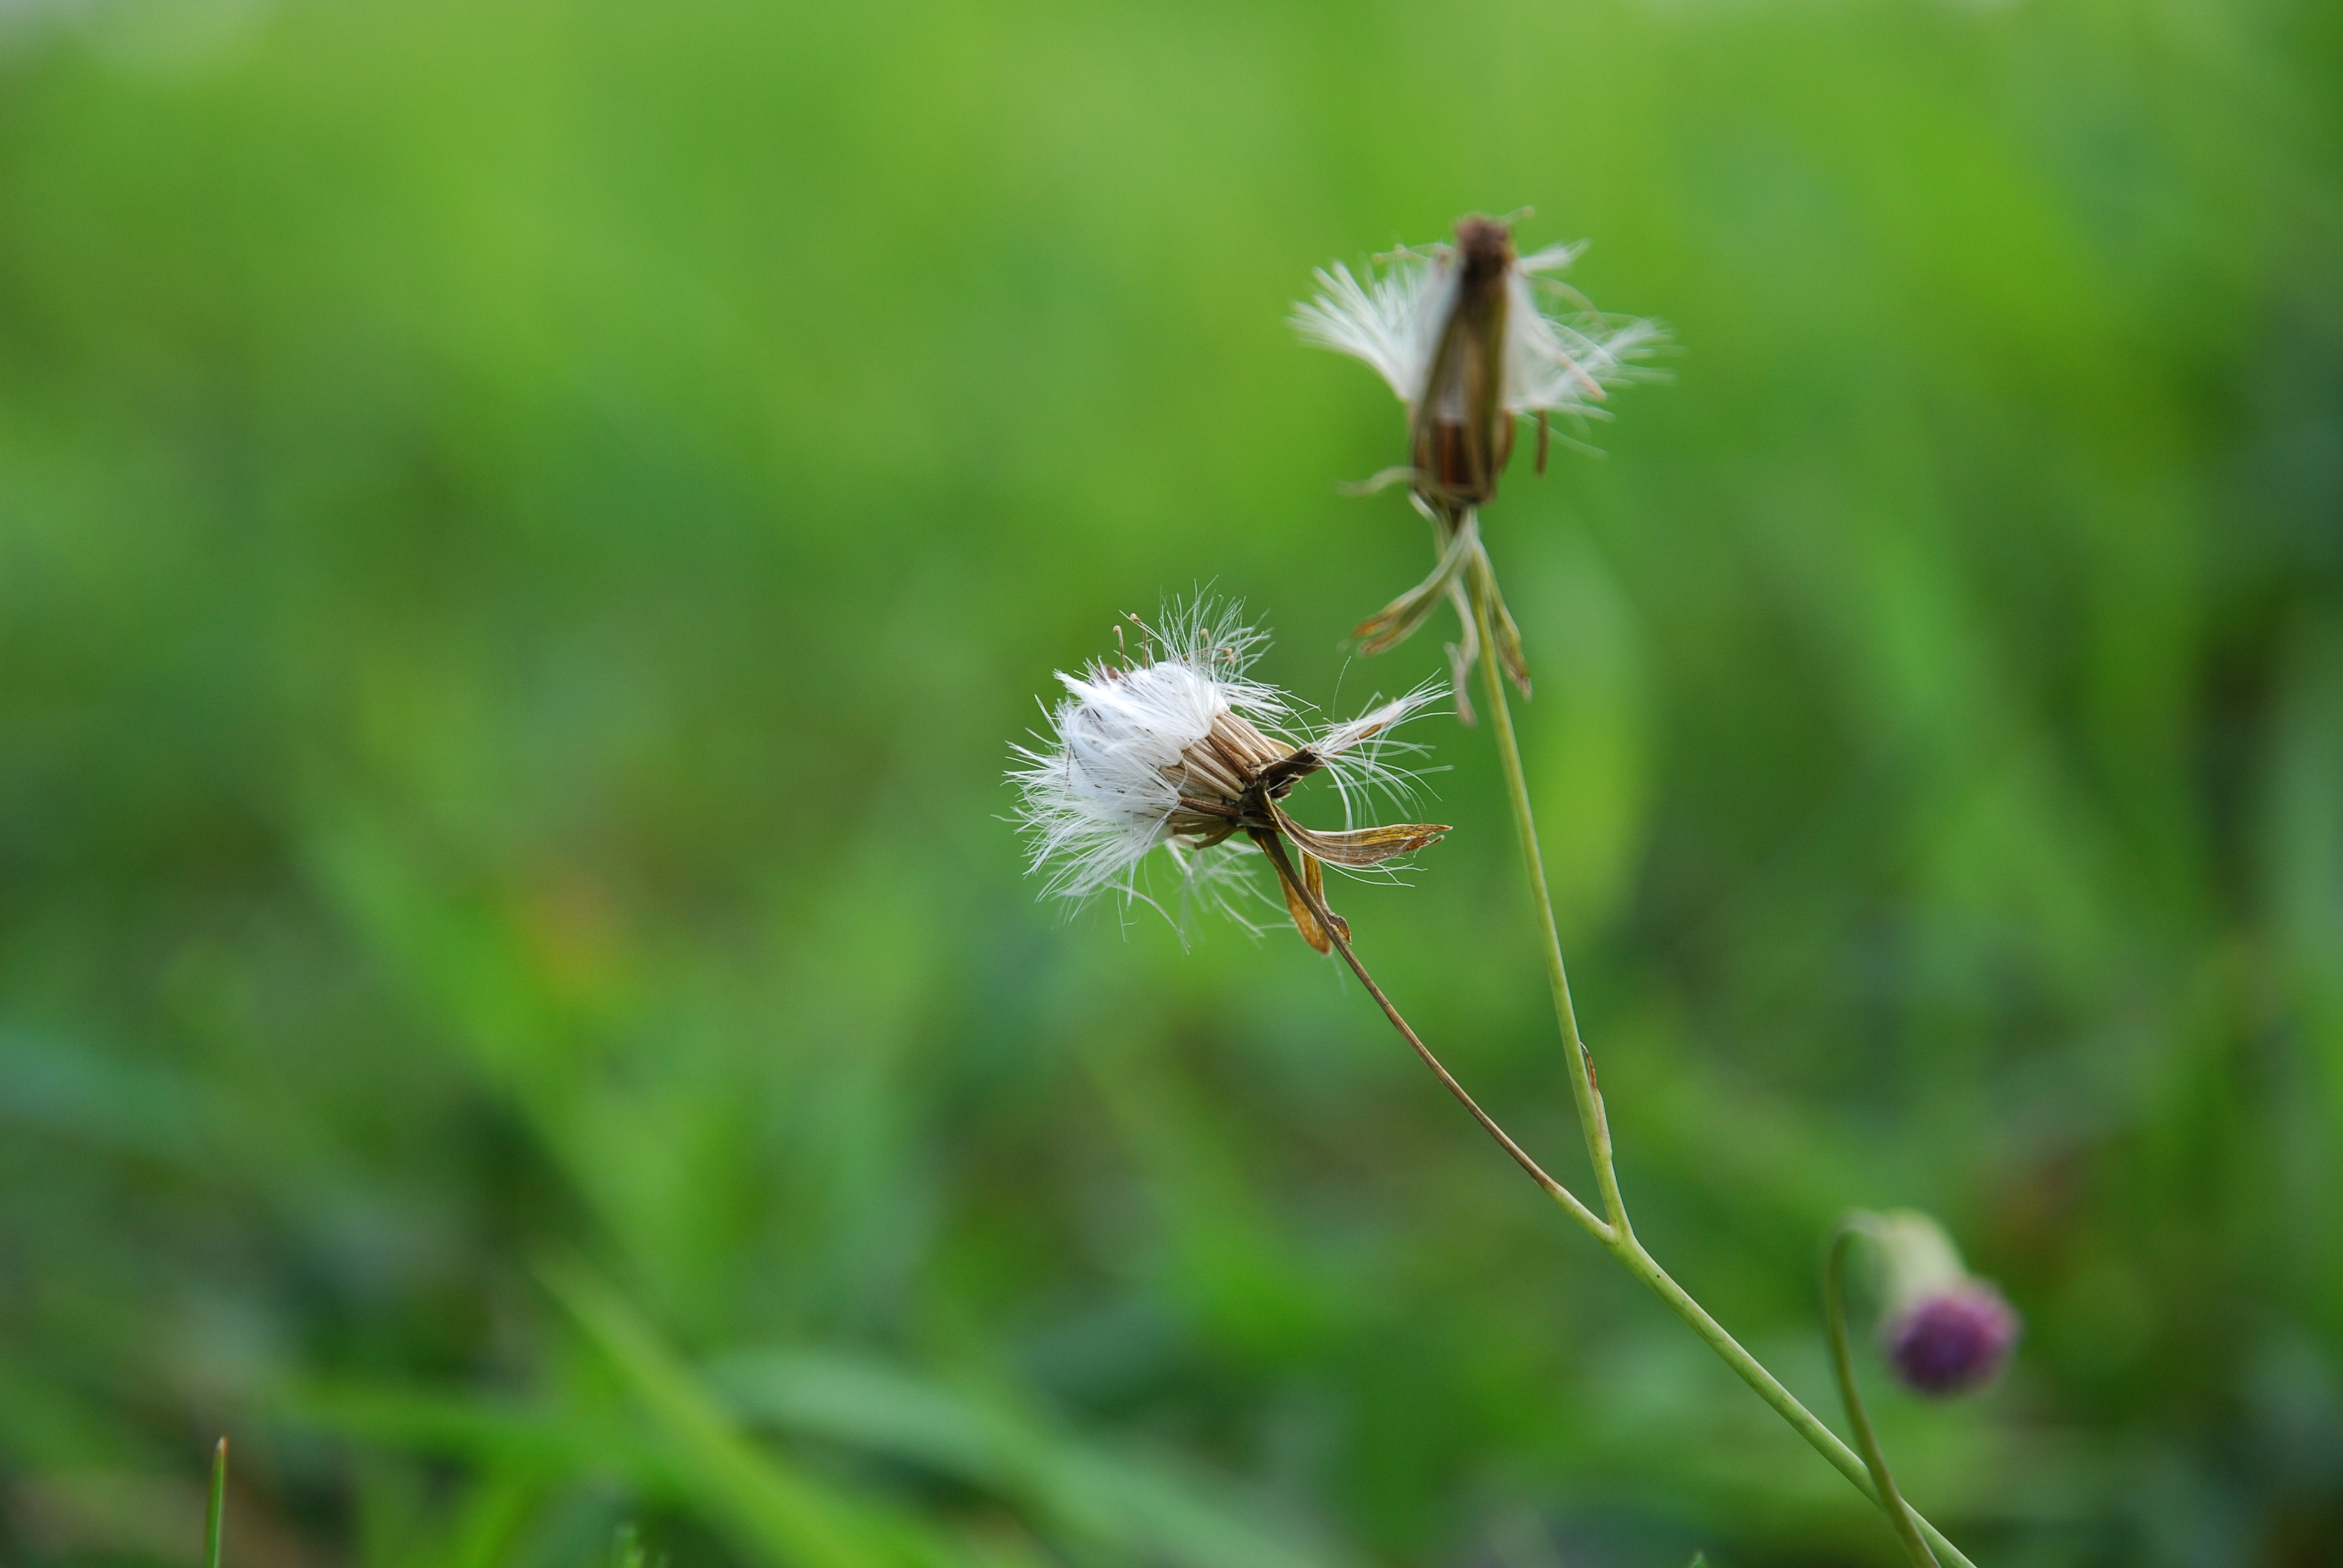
(527,530)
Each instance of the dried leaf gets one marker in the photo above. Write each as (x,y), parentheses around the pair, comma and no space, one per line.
(1507,635)
(1295,904)
(1313,875)
(1398,620)
(1362,846)
(1509,641)
(1381,481)
(1460,675)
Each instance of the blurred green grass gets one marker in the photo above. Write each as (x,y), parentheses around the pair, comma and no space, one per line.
(526,530)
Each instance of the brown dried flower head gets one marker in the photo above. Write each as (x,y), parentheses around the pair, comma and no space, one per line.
(1177,750)
(1458,333)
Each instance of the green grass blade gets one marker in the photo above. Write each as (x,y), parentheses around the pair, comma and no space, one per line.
(1123,1504)
(789,1517)
(215,1511)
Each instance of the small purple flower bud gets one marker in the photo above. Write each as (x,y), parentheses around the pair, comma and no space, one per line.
(1952,1341)
(1945,1330)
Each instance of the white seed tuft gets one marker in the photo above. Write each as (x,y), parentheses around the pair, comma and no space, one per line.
(1103,790)
(1557,362)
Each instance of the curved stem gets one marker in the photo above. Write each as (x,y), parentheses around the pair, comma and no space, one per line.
(1785,1404)
(1274,847)
(1584,1089)
(1627,1249)
(1899,1512)
(1620,1239)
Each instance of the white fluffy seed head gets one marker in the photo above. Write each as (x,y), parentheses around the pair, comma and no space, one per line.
(1103,790)
(1101,795)
(1560,361)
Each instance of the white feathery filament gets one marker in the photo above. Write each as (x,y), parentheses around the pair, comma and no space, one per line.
(1171,750)
(1559,362)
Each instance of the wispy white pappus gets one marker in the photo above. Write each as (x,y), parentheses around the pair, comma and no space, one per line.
(1177,748)
(1461,334)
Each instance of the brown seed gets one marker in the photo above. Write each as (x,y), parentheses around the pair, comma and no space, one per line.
(1463,435)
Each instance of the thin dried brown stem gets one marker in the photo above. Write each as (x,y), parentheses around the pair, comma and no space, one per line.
(1298,890)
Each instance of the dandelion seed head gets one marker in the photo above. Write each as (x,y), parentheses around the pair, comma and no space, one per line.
(1174,747)
(1556,360)
(1104,793)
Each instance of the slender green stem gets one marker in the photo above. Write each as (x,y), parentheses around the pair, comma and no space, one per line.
(1622,1242)
(1751,1371)
(1891,1501)
(1592,1123)
(1274,847)
(216,1512)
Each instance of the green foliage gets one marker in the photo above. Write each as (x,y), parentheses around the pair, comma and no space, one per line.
(216,1505)
(526,529)
(627,1548)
